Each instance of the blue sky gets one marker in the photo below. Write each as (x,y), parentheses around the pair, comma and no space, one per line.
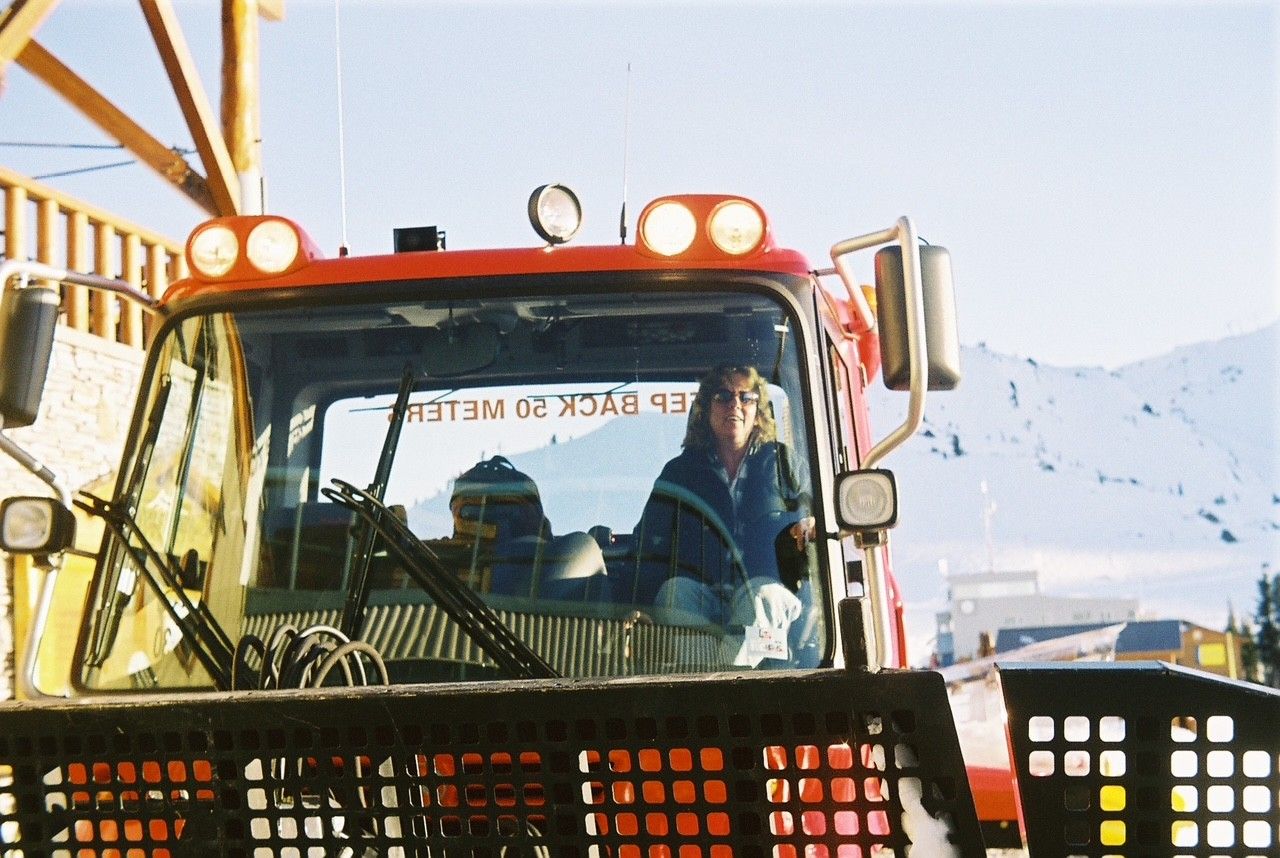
(1105,174)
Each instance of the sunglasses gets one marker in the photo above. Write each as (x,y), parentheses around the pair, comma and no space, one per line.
(724,395)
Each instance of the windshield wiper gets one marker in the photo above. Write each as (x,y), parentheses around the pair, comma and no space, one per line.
(456,599)
(198,626)
(106,627)
(358,586)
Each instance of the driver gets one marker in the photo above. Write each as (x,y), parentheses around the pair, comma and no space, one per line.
(732,470)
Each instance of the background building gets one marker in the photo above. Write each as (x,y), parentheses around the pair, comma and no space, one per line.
(983,603)
(1174,641)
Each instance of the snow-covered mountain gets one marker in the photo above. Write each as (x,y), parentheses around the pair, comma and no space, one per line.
(1159,480)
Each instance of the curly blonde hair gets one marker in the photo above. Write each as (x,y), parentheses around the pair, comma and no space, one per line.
(698,434)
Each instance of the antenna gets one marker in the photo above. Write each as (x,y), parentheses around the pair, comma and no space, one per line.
(988,515)
(626,146)
(343,249)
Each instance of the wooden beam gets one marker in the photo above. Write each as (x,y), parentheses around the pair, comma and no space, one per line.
(178,64)
(272,10)
(77,297)
(15,223)
(150,151)
(101,304)
(240,111)
(18,23)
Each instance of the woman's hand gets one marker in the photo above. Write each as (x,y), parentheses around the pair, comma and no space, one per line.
(804,531)
(775,606)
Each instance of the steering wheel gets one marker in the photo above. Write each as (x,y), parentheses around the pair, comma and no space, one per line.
(680,504)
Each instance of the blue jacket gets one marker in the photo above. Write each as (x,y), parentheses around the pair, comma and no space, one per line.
(690,527)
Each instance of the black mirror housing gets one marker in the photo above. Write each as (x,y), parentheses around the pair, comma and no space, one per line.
(27,321)
(941,336)
(866,500)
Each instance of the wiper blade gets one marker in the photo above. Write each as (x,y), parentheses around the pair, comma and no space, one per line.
(198,626)
(358,586)
(456,599)
(105,628)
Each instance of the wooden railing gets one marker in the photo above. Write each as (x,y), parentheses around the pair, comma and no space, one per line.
(46,225)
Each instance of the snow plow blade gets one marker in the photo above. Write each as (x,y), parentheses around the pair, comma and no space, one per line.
(821,762)
(1143,758)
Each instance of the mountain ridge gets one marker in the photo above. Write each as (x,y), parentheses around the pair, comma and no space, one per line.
(1158,480)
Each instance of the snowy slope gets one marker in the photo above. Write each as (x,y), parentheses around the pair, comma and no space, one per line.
(1159,480)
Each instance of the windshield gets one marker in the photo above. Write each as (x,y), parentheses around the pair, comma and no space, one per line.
(620,482)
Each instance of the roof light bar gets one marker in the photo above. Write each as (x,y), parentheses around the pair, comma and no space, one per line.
(248,247)
(703,226)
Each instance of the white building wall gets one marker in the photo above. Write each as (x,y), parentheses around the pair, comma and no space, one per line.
(971,617)
(79,434)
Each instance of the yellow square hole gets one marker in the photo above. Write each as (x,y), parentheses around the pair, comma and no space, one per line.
(1111,798)
(1111,832)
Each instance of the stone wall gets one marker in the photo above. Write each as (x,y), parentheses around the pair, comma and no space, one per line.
(79,435)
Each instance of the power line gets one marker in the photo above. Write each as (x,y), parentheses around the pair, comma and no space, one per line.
(77,172)
(177,150)
(23,144)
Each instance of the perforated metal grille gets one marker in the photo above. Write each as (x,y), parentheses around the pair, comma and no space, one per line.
(1144,760)
(816,764)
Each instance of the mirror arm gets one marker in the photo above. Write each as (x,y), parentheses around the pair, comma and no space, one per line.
(40,470)
(28,681)
(864,316)
(904,232)
(26,269)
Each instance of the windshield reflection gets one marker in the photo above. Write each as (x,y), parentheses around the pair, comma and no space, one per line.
(624,487)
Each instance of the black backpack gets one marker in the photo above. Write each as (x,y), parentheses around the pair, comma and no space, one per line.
(495,500)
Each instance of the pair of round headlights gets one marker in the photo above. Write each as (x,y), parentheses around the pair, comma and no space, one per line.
(669,228)
(270,247)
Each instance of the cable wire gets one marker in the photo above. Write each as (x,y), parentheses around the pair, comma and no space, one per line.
(343,248)
(304,658)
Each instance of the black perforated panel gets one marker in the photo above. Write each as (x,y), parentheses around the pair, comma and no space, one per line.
(822,764)
(1144,759)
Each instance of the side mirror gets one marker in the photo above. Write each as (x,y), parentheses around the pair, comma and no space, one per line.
(27,321)
(941,336)
(866,500)
(35,525)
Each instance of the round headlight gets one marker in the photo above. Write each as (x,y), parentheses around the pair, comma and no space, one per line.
(736,227)
(669,228)
(555,213)
(214,250)
(272,246)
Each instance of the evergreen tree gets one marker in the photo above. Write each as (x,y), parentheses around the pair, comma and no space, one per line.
(1268,636)
(1271,656)
(1249,666)
(1242,632)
